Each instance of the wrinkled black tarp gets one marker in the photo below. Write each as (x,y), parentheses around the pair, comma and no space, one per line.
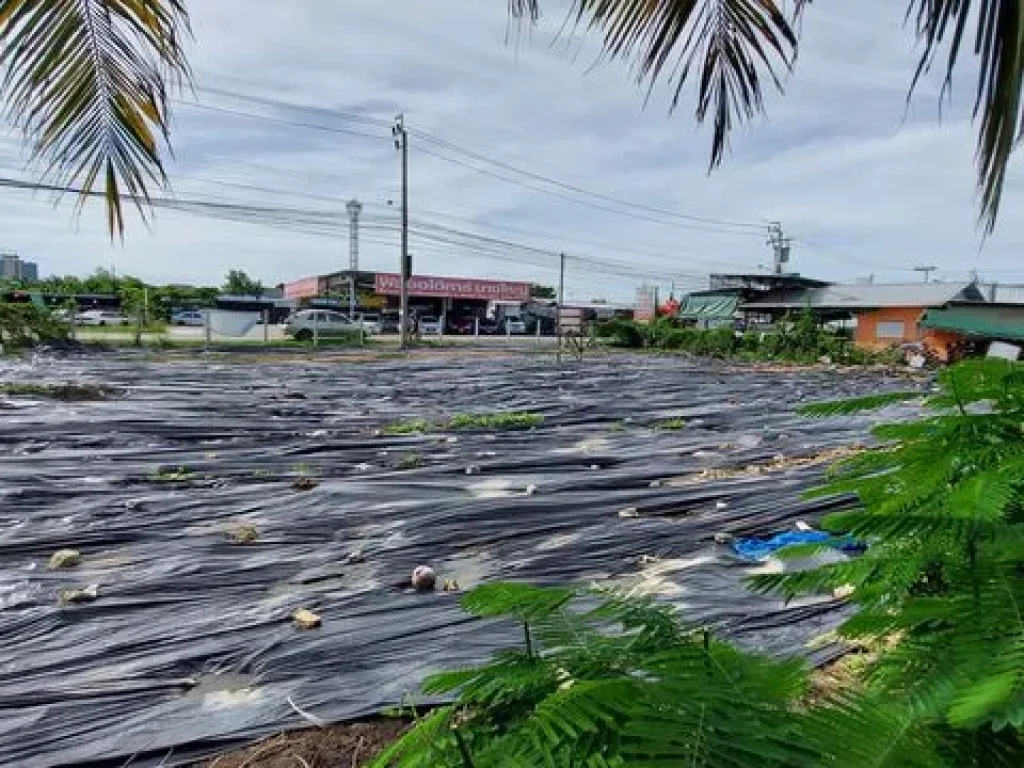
(190,648)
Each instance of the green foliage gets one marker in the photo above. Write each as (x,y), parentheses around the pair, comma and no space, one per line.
(858,404)
(795,339)
(671,424)
(69,392)
(546,292)
(498,420)
(172,475)
(23,325)
(238,283)
(411,427)
(411,461)
(603,681)
(942,507)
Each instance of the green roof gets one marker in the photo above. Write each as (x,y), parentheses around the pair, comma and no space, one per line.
(709,306)
(987,321)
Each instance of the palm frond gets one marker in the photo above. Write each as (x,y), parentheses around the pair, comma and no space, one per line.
(999,46)
(729,46)
(87,82)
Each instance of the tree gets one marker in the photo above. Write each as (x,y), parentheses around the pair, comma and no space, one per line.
(87,81)
(237,283)
(542,292)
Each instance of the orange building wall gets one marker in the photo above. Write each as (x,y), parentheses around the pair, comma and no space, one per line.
(867,326)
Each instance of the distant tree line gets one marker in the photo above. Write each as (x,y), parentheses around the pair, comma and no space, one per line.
(135,293)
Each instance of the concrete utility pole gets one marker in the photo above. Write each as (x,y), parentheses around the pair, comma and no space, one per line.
(927,271)
(354,208)
(402,144)
(780,246)
(561,301)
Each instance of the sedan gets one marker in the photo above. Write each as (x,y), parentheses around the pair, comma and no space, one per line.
(189,317)
(430,326)
(309,323)
(102,317)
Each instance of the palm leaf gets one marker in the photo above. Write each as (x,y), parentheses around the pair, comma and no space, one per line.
(86,80)
(999,45)
(731,47)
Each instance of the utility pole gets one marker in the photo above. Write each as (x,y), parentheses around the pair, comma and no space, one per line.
(561,301)
(402,144)
(354,208)
(780,246)
(926,271)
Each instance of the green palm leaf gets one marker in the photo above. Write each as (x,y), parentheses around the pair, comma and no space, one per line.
(87,80)
(730,46)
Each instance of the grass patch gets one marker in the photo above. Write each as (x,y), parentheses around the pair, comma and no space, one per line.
(411,461)
(69,392)
(172,475)
(411,427)
(671,424)
(502,420)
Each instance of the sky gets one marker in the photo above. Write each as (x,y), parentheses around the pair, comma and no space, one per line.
(864,184)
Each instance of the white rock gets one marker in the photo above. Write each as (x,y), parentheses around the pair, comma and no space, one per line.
(423,578)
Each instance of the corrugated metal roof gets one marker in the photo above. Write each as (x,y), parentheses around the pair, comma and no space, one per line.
(1002,293)
(989,321)
(869,296)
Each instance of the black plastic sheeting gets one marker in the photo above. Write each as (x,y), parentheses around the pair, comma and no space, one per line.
(190,649)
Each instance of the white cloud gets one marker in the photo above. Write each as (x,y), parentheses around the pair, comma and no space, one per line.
(871,185)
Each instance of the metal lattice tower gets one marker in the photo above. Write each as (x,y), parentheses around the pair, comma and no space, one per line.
(354,208)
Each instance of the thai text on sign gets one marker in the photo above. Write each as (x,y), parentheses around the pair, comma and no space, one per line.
(454,288)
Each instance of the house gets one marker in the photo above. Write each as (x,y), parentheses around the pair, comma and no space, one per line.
(718,306)
(886,315)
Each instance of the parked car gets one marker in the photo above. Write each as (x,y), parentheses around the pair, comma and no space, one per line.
(488,327)
(513,325)
(189,317)
(101,317)
(465,325)
(371,324)
(303,325)
(430,326)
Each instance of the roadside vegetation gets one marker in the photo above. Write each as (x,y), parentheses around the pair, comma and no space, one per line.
(24,325)
(599,680)
(795,339)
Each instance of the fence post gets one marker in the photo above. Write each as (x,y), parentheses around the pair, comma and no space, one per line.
(266,327)
(74,322)
(316,330)
(476,326)
(207,329)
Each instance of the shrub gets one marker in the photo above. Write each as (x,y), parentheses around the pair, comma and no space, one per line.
(942,582)
(23,325)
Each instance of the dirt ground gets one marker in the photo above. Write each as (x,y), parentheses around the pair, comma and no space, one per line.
(338,746)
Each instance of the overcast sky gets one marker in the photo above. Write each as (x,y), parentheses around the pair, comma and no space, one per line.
(864,185)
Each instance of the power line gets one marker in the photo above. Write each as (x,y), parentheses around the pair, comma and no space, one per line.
(452,147)
(580,190)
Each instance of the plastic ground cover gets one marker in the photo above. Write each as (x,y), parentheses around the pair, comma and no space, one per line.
(189,647)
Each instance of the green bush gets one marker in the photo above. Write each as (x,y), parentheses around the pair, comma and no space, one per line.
(23,325)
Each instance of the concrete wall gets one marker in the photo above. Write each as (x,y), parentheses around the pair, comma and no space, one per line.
(866,333)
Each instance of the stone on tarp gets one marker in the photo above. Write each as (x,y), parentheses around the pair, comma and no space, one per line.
(243,534)
(73,596)
(65,558)
(306,619)
(423,578)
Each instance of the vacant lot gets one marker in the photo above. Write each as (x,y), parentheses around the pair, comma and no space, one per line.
(210,500)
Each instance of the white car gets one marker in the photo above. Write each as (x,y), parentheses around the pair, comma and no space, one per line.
(430,326)
(371,324)
(514,325)
(307,323)
(101,317)
(193,317)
